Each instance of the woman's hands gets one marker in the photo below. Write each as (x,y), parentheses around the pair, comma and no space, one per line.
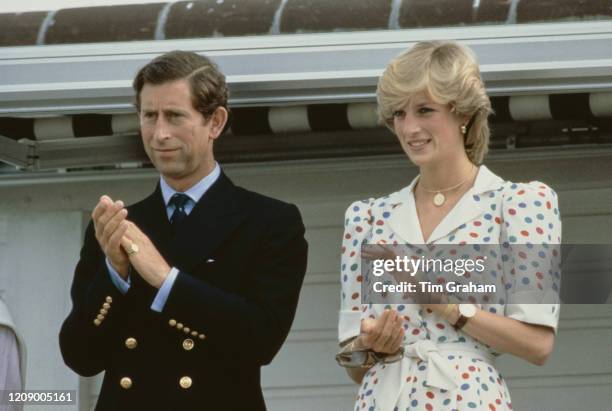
(384,334)
(435,302)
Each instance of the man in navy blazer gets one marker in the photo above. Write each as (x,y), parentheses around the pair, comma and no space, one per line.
(182,297)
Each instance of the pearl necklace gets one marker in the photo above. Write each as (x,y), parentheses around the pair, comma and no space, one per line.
(439,199)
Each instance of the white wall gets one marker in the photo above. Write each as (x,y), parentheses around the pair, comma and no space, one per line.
(304,376)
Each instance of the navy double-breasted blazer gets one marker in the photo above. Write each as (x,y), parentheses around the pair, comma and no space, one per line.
(241,258)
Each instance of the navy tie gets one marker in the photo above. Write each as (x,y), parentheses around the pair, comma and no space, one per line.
(179,200)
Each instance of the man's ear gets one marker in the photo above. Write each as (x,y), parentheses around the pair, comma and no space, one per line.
(218,120)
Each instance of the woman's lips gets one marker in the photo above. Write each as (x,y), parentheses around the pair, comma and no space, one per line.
(417,144)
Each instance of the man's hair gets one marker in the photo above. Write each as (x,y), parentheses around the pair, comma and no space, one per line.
(208,88)
(448,73)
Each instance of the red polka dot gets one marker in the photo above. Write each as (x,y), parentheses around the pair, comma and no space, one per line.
(359,278)
(380,222)
(352,254)
(512,211)
(520,192)
(416,331)
(539,230)
(440,326)
(347,236)
(548,205)
(473,235)
(359,229)
(465,376)
(472,368)
(429,407)
(498,220)
(539,275)
(525,233)
(355,296)
(459,397)
(477,223)
(430,395)
(492,407)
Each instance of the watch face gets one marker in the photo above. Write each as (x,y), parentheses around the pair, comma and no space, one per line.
(467,310)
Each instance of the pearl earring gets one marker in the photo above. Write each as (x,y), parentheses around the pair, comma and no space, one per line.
(463,129)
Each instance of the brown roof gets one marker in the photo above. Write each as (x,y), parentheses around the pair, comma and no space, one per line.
(210,18)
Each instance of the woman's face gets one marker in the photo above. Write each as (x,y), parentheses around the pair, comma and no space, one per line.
(428,132)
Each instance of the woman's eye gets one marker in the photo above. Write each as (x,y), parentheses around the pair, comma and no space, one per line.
(423,110)
(399,113)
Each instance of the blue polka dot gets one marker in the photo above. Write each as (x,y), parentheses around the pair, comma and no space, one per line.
(528,220)
(465,387)
(386,214)
(525,280)
(522,205)
(488,216)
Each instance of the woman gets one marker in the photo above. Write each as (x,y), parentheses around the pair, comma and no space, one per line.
(433,99)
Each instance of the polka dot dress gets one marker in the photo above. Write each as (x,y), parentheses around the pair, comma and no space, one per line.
(499,213)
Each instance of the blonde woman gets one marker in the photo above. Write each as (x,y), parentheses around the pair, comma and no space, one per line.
(433,99)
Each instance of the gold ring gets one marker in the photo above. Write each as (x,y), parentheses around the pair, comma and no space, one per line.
(132,249)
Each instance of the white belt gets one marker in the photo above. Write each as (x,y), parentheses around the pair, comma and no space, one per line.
(440,372)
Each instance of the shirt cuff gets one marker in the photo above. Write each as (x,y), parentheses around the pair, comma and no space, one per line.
(162,295)
(119,282)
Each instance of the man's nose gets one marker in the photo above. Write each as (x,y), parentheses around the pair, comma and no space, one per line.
(161,130)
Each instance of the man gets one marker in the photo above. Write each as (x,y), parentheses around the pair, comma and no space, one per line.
(182,297)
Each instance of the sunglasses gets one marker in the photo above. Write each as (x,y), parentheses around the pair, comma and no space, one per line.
(366,358)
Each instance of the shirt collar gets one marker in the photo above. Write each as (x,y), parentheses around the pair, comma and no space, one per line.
(195,192)
(485,181)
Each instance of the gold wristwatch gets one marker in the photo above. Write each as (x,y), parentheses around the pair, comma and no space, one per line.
(466,311)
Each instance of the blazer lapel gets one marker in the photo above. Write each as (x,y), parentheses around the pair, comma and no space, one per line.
(212,221)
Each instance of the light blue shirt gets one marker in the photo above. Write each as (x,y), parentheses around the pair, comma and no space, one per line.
(195,193)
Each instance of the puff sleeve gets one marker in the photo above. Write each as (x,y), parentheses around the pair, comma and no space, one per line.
(531,238)
(357,226)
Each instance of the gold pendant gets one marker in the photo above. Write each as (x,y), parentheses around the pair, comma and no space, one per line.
(439,199)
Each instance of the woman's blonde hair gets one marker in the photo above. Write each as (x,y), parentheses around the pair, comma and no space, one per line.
(448,73)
